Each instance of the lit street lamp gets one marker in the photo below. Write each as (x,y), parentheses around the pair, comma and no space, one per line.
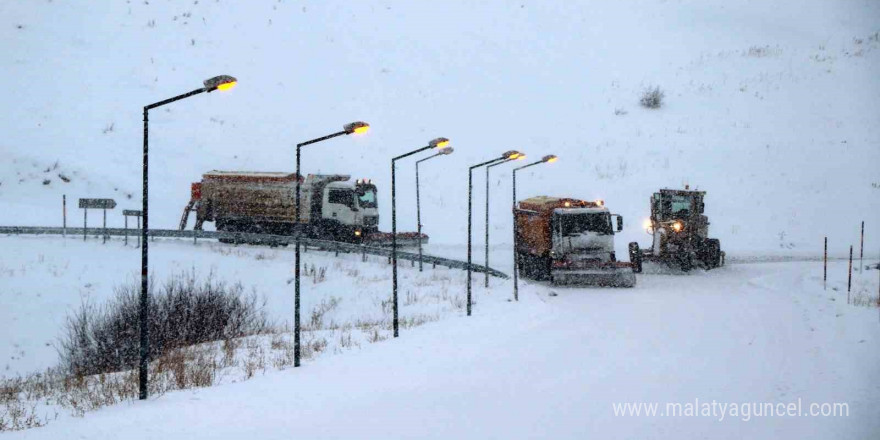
(546,159)
(442,152)
(352,128)
(222,82)
(520,157)
(506,156)
(436,143)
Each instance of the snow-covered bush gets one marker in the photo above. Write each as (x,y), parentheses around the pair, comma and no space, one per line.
(184,312)
(652,97)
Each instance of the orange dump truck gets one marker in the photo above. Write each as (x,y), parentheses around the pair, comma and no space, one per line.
(569,241)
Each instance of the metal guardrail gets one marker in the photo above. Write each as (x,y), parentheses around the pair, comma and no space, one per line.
(327,245)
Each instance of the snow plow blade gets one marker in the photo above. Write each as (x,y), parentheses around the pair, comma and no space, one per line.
(602,277)
(404,239)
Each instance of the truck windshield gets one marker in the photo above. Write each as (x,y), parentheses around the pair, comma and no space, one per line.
(574,224)
(676,206)
(367,198)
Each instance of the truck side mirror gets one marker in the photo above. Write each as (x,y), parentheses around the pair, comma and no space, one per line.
(619,223)
(701,207)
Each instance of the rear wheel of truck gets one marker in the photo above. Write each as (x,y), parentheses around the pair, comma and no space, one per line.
(223,226)
(547,269)
(713,253)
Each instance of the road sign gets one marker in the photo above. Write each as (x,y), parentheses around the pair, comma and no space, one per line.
(97,203)
(131,212)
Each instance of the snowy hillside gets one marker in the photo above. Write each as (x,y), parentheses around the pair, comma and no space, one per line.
(770,107)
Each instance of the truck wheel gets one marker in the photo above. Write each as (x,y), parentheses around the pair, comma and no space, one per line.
(547,269)
(713,253)
(223,226)
(635,257)
(686,261)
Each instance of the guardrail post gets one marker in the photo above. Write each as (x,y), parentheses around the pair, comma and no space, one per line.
(825,267)
(862,248)
(64,215)
(849,279)
(105,227)
(126,230)
(85,221)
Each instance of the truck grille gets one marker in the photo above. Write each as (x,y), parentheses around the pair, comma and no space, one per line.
(372,220)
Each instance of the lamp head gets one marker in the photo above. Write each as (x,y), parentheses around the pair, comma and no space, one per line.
(549,158)
(512,154)
(439,143)
(445,151)
(220,82)
(356,127)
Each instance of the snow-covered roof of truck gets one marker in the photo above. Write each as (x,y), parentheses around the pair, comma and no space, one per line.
(251,175)
(548,204)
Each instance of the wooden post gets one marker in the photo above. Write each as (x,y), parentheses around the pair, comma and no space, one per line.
(862,248)
(825,270)
(849,279)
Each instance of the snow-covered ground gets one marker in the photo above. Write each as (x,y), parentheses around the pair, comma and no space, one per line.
(771,107)
(45,279)
(550,366)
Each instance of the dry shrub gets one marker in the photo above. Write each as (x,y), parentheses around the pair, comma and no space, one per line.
(316,320)
(652,97)
(186,311)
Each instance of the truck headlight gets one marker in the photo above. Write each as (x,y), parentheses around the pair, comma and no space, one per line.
(357,233)
(677,226)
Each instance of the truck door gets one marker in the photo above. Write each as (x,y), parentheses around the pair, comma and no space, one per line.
(340,206)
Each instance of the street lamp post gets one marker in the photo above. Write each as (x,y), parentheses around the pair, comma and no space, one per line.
(436,143)
(520,157)
(506,156)
(444,151)
(354,127)
(546,159)
(222,82)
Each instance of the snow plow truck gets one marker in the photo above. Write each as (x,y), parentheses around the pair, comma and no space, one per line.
(680,232)
(569,241)
(332,207)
